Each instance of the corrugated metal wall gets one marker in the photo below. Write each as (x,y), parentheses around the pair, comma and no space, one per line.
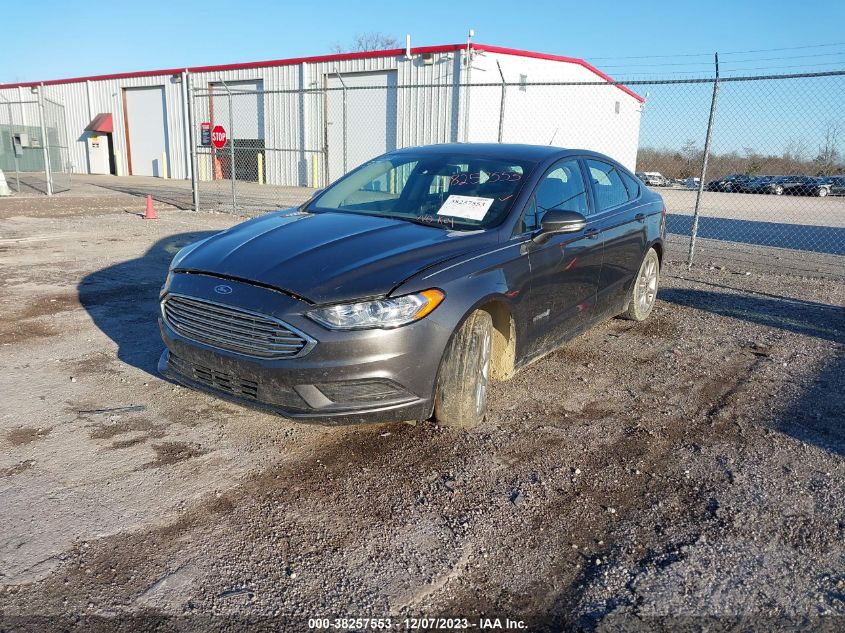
(294,123)
(430,109)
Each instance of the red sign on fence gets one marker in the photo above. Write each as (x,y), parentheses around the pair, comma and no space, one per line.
(218,136)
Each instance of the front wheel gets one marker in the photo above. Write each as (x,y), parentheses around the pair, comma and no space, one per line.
(460,398)
(822,192)
(778,190)
(644,290)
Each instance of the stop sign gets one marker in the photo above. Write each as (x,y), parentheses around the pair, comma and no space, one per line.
(218,136)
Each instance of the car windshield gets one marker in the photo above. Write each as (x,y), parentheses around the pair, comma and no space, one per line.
(449,190)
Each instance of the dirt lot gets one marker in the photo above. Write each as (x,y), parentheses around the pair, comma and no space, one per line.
(687,471)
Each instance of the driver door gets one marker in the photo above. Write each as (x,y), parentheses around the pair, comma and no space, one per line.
(565,269)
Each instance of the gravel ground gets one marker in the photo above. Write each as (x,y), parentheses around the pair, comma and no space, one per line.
(683,472)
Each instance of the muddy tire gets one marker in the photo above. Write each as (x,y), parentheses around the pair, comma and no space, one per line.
(644,289)
(461,393)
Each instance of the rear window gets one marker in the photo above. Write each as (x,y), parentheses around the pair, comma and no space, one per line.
(607,184)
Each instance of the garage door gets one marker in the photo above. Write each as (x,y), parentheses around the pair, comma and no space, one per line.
(370,119)
(146,130)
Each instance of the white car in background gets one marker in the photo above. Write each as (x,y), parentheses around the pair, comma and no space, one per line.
(653,178)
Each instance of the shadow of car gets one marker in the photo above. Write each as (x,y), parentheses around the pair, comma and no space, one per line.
(122,300)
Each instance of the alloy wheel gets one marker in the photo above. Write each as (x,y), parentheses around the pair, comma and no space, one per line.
(483,374)
(647,285)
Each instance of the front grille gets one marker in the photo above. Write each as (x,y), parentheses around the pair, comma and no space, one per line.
(278,395)
(213,378)
(233,329)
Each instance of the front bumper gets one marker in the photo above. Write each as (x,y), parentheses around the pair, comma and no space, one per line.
(348,377)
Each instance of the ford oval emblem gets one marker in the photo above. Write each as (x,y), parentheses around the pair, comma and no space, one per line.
(223,290)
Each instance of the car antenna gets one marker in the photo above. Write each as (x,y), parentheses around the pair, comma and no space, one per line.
(553,136)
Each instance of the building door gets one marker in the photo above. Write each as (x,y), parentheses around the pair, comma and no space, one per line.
(366,126)
(100,153)
(244,127)
(145,117)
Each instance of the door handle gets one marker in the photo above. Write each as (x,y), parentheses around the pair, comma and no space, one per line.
(640,217)
(591,234)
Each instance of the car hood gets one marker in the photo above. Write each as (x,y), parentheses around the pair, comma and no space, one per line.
(328,257)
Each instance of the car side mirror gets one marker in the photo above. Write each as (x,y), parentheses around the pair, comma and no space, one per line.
(557,221)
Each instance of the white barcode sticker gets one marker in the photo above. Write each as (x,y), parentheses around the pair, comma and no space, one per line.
(469,207)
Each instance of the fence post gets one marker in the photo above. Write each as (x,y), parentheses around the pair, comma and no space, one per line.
(231,149)
(343,84)
(502,104)
(44,149)
(192,140)
(12,145)
(703,180)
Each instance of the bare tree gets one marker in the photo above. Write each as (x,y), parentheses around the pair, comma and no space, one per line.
(367,42)
(795,150)
(829,150)
(691,156)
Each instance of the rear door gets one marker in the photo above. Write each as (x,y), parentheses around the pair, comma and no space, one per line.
(622,225)
(564,269)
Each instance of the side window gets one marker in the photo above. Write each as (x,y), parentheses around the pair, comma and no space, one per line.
(608,185)
(529,218)
(633,185)
(562,188)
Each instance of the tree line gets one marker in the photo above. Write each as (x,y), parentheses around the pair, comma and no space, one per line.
(795,159)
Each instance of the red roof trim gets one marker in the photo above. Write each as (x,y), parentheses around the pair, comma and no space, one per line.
(394,52)
(101,123)
(557,58)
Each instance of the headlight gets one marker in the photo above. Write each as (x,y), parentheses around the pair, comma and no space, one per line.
(381,313)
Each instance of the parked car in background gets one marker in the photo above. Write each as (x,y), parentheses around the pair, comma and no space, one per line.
(804,186)
(836,183)
(789,185)
(762,184)
(403,288)
(733,182)
(653,178)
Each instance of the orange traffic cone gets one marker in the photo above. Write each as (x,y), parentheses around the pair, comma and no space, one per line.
(151,213)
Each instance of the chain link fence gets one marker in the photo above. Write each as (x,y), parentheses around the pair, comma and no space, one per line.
(34,146)
(772,194)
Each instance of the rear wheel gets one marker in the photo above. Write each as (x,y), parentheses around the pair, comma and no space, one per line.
(778,190)
(822,192)
(460,398)
(644,290)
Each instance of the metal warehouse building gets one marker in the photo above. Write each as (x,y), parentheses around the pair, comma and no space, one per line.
(305,121)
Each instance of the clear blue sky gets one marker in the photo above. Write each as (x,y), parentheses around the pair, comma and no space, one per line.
(640,39)
(57,38)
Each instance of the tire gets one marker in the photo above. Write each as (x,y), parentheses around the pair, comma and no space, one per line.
(644,289)
(778,191)
(822,192)
(460,398)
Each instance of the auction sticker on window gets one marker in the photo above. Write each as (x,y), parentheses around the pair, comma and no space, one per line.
(469,207)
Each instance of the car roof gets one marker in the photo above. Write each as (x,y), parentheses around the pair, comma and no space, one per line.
(499,150)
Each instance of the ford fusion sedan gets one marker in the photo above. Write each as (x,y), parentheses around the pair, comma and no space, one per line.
(404,288)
